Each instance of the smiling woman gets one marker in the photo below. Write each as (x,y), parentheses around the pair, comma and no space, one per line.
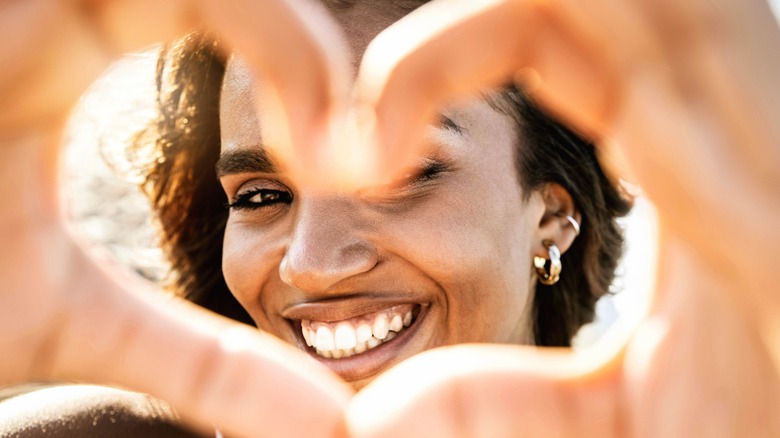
(499,230)
(462,246)
(362,279)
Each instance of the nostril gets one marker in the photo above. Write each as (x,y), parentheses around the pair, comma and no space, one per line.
(361,255)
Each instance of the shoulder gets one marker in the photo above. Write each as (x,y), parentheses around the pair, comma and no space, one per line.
(86,410)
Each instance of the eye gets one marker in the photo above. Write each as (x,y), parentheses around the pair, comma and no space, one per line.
(430,170)
(255,198)
(416,183)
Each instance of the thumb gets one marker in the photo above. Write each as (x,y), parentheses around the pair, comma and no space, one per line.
(120,331)
(488,390)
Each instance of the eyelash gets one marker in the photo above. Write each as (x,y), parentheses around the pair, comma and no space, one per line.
(243,201)
(429,172)
(270,197)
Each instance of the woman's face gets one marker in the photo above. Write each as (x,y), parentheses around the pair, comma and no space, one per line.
(364,279)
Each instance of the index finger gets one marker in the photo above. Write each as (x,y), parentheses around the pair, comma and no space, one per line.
(448,50)
(210,369)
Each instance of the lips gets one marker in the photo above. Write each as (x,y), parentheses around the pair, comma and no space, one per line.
(360,346)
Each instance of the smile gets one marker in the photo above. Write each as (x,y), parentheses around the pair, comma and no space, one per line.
(357,335)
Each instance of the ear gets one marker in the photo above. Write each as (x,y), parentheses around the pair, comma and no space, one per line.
(556,224)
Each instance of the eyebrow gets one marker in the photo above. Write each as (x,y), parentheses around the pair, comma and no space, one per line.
(257,159)
(447,123)
(254,160)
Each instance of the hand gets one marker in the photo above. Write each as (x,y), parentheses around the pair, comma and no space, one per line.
(705,67)
(685,93)
(66,315)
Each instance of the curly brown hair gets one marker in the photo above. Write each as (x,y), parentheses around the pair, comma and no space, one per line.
(182,185)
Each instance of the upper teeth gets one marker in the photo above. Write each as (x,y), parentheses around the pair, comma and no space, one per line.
(354,336)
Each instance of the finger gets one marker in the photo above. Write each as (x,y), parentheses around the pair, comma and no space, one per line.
(700,342)
(702,134)
(43,43)
(489,391)
(436,53)
(293,47)
(120,331)
(53,51)
(687,166)
(725,65)
(450,49)
(65,317)
(292,42)
(303,65)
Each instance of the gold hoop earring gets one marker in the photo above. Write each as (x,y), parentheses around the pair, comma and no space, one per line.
(540,263)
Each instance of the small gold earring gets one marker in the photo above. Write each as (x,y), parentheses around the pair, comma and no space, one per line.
(540,263)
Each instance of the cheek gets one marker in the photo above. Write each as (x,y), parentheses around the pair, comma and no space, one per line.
(488,292)
(248,263)
(477,248)
(471,235)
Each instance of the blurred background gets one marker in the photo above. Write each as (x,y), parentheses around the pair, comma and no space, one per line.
(104,204)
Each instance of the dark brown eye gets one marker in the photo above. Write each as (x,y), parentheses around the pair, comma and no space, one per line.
(259,198)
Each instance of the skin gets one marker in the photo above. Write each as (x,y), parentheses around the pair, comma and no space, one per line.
(69,315)
(683,96)
(708,349)
(460,244)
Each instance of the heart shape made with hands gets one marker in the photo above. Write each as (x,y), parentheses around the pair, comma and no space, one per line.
(653,81)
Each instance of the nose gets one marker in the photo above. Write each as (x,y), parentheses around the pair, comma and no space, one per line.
(327,246)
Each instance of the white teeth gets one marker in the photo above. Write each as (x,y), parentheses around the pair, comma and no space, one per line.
(345,336)
(306,336)
(357,335)
(380,328)
(324,339)
(360,347)
(363,333)
(396,324)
